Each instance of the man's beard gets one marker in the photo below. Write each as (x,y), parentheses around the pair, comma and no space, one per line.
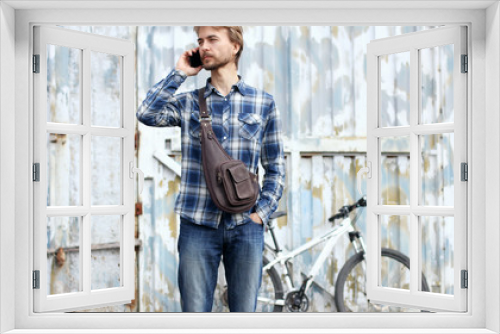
(215,65)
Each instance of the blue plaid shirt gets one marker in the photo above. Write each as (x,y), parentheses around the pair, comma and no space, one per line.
(246,123)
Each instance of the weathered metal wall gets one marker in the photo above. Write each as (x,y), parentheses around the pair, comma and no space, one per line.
(317,76)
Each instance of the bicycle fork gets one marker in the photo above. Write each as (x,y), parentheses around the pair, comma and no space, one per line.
(357,241)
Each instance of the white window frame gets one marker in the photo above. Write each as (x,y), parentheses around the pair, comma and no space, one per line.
(411,44)
(483,104)
(124,51)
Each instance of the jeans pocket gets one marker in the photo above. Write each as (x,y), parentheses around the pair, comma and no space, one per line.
(254,222)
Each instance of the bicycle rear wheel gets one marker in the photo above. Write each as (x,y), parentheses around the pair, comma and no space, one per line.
(270,297)
(350,288)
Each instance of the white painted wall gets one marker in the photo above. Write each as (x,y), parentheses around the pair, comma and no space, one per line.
(7,160)
(492,153)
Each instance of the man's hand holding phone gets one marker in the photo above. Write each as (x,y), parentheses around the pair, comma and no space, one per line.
(184,63)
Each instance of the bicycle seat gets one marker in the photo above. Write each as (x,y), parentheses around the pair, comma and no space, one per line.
(277,214)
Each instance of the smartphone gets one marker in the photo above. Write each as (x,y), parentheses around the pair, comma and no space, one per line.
(195,60)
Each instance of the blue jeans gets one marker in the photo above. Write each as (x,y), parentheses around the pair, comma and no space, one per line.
(200,250)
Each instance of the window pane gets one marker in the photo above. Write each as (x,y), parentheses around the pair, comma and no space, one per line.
(63,169)
(106,170)
(105,251)
(395,89)
(437,253)
(437,174)
(106,92)
(63,255)
(63,84)
(436,75)
(395,170)
(395,236)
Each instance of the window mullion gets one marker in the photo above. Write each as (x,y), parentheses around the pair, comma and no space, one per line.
(414,171)
(87,138)
(445,211)
(84,129)
(78,211)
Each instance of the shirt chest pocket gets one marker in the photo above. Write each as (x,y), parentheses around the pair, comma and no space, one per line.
(250,125)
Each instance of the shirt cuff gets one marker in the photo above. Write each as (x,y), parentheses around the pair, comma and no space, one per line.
(180,73)
(264,212)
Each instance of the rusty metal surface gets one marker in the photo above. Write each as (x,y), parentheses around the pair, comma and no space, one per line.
(318,78)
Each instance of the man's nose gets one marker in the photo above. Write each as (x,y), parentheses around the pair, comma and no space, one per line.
(204,48)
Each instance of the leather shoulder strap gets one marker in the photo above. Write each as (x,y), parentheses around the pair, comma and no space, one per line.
(203,103)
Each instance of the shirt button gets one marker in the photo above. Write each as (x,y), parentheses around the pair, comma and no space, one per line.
(225,99)
(225,137)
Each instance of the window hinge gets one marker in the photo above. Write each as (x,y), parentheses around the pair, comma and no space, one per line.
(36,279)
(465,64)
(464,172)
(36,172)
(36,63)
(465,279)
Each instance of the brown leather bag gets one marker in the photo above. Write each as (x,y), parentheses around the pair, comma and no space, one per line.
(232,186)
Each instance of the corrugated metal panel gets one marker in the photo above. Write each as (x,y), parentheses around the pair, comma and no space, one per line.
(317,76)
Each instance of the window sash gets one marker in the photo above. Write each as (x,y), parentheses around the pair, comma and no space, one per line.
(412,42)
(86,298)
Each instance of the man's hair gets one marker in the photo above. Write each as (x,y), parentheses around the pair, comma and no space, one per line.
(235,36)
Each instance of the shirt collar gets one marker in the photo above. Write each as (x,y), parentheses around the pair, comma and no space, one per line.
(240,86)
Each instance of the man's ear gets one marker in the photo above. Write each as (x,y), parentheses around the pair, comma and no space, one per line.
(236,48)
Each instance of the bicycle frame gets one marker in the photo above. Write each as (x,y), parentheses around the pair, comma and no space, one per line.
(330,238)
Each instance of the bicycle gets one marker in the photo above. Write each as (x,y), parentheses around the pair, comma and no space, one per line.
(350,292)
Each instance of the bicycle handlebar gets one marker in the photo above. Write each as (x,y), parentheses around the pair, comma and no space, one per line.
(346,209)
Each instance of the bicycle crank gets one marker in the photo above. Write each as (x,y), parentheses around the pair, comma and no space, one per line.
(296,302)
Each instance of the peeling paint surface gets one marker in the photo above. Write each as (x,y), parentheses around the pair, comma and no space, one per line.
(317,75)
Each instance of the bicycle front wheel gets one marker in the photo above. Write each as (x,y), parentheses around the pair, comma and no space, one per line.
(270,297)
(350,289)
